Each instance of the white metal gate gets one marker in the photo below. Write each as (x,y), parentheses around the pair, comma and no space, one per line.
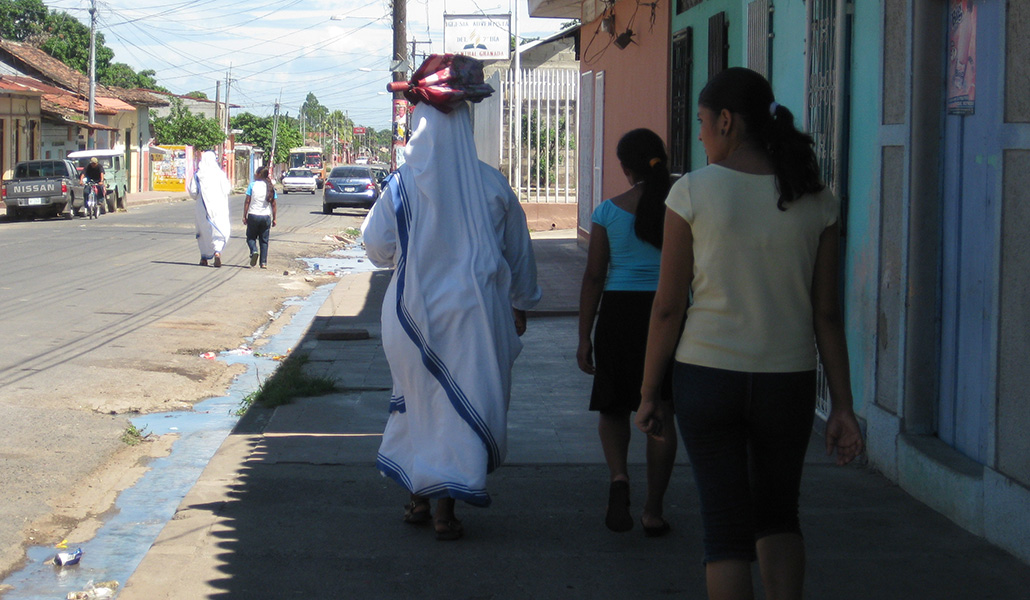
(538,145)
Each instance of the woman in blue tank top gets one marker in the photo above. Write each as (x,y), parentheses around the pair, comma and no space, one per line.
(618,289)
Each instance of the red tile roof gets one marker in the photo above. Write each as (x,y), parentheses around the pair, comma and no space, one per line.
(39,63)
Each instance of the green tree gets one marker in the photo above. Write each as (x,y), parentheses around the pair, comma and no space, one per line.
(314,115)
(67,40)
(258,131)
(22,20)
(197,94)
(183,127)
(122,75)
(287,137)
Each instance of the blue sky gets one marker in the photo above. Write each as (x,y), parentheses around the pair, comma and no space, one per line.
(281,48)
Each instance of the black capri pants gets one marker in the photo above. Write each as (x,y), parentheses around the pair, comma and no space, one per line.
(746,435)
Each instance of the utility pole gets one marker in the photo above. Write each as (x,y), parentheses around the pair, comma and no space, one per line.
(275,134)
(414,59)
(91,139)
(218,110)
(400,103)
(228,84)
(228,155)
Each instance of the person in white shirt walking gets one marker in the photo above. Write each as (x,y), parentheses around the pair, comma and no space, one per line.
(259,216)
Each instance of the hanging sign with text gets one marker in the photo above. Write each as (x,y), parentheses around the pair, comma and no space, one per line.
(486,37)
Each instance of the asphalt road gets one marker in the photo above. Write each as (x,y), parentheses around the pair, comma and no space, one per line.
(104,319)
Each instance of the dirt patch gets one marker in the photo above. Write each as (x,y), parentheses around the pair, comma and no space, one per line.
(63,459)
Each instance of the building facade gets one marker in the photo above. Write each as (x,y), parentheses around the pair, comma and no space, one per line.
(922,126)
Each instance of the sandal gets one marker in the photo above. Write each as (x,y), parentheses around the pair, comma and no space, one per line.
(618,517)
(448,530)
(417,512)
(658,531)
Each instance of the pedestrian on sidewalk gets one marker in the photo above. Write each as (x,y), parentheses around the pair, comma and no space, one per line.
(453,230)
(621,278)
(210,188)
(259,208)
(751,240)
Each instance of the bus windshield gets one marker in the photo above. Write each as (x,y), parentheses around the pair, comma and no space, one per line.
(306,159)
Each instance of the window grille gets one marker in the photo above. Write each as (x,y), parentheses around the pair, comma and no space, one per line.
(828,49)
(680,102)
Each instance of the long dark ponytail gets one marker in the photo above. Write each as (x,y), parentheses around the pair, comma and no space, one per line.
(642,153)
(265,175)
(748,94)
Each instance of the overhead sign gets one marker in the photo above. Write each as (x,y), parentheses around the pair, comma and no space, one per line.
(359,130)
(486,37)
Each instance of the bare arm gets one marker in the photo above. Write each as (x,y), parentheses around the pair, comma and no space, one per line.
(246,208)
(598,255)
(842,431)
(670,306)
(274,209)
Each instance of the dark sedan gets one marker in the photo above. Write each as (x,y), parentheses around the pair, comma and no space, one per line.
(350,185)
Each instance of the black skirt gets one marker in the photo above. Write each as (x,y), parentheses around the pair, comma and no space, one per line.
(620,343)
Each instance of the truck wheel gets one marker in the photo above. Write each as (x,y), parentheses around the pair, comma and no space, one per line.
(112,201)
(12,213)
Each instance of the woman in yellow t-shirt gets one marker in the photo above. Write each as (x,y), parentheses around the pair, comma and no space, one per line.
(751,245)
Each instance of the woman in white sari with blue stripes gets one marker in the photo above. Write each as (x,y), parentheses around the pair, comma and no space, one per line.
(455,234)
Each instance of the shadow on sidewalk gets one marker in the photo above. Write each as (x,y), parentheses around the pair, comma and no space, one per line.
(292,506)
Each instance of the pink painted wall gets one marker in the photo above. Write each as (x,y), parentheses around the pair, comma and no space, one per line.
(636,79)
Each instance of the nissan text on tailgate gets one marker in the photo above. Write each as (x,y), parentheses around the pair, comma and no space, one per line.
(40,188)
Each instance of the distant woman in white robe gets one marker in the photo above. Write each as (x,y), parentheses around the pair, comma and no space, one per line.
(455,234)
(210,188)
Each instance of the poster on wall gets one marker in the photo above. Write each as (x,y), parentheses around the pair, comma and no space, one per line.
(171,169)
(961,57)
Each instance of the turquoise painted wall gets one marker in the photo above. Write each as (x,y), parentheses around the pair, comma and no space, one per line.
(697,17)
(788,59)
(861,274)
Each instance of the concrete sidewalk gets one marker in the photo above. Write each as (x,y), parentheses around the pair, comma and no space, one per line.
(134,199)
(292,506)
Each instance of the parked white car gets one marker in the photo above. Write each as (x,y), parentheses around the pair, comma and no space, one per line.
(299,180)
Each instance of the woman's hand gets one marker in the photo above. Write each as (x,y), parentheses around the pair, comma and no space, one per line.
(651,417)
(843,435)
(585,357)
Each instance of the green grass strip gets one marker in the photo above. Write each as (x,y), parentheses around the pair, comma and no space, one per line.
(288,382)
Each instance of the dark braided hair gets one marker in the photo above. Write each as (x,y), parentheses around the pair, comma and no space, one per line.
(746,93)
(642,152)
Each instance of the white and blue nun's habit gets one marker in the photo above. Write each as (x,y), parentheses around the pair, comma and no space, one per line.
(455,234)
(210,188)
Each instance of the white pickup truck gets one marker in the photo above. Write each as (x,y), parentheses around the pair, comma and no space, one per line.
(42,188)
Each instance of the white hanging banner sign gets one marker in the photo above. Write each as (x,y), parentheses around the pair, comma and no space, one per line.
(486,37)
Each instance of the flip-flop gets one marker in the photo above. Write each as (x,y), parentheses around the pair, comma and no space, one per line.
(448,530)
(659,531)
(618,518)
(417,512)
